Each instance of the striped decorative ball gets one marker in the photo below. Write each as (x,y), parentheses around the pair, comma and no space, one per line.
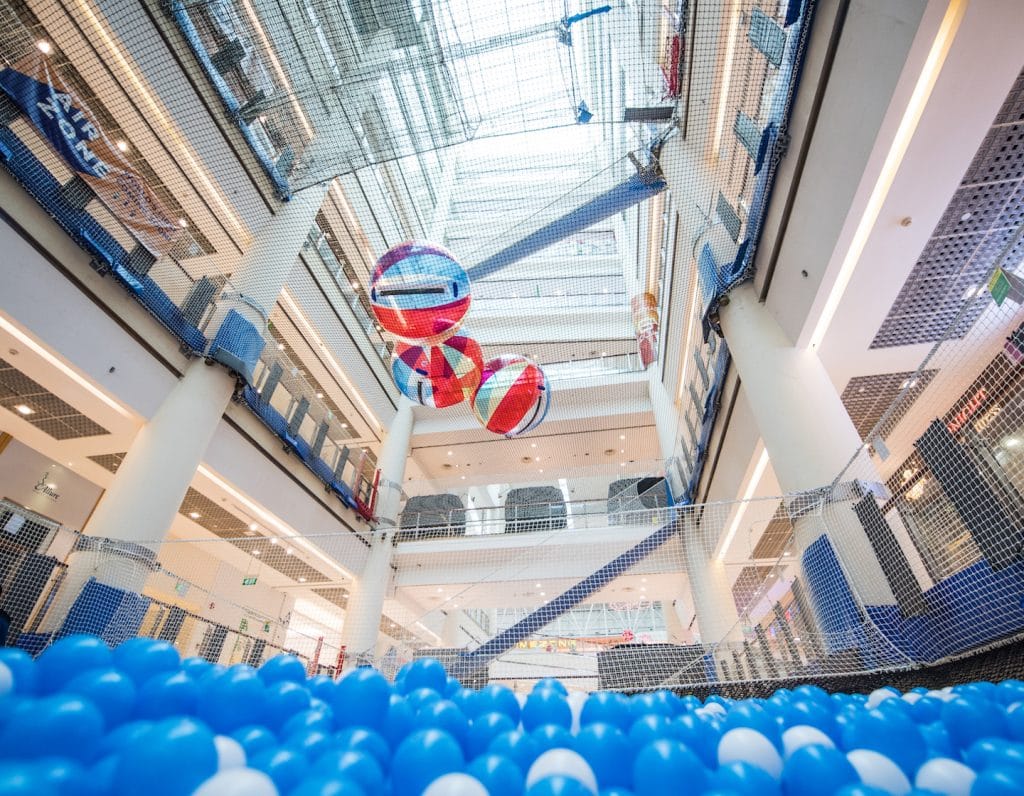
(419,293)
(513,397)
(440,375)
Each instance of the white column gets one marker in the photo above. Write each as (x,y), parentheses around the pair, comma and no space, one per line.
(138,508)
(712,593)
(666,414)
(366,597)
(806,430)
(675,631)
(450,628)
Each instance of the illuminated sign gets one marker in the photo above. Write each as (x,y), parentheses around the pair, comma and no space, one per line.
(967,411)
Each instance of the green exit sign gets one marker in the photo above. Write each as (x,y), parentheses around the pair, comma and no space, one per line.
(999,287)
(248,581)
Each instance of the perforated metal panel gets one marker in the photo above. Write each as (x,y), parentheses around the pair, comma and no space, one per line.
(47,412)
(866,398)
(109,461)
(964,247)
(776,535)
(748,584)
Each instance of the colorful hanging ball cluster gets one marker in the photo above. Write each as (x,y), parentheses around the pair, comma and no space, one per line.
(439,375)
(419,293)
(513,396)
(84,720)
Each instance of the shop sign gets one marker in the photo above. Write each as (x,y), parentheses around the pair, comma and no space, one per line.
(44,487)
(967,411)
(999,287)
(248,581)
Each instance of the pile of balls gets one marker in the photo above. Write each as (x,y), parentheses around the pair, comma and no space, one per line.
(84,719)
(421,294)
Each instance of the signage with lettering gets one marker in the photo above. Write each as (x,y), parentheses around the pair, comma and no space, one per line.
(71,129)
(248,581)
(967,411)
(45,487)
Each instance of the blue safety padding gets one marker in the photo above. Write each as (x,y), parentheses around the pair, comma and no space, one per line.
(710,670)
(974,607)
(344,493)
(767,138)
(110,613)
(170,315)
(708,421)
(273,419)
(834,606)
(227,96)
(238,345)
(321,469)
(34,643)
(623,196)
(524,628)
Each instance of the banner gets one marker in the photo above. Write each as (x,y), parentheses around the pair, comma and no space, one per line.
(65,121)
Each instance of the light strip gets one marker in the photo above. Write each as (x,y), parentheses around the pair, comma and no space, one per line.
(687,351)
(273,521)
(748,493)
(723,94)
(655,238)
(195,168)
(908,125)
(78,379)
(269,48)
(351,391)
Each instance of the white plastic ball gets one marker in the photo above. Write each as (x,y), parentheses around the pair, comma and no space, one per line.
(521,699)
(911,697)
(800,735)
(237,782)
(6,680)
(946,776)
(456,785)
(944,695)
(880,771)
(712,708)
(879,695)
(743,744)
(230,753)
(562,762)
(576,700)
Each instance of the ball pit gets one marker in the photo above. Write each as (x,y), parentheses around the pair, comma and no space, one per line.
(84,720)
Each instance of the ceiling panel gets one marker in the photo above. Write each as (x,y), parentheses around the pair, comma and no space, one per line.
(44,410)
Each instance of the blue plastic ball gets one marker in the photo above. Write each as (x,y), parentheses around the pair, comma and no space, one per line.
(667,761)
(109,690)
(143,658)
(495,698)
(444,715)
(67,777)
(451,687)
(650,728)
(22,779)
(423,757)
(750,714)
(607,707)
(363,739)
(114,741)
(197,667)
(361,767)
(498,774)
(328,786)
(551,736)
(426,673)
(994,752)
(558,786)
(970,720)
(519,747)
(283,668)
(701,734)
(64,725)
(745,779)
(167,694)
(286,767)
(284,699)
(308,719)
(546,683)
(68,658)
(321,687)
(1014,718)
(468,702)
(813,770)
(22,667)
(926,710)
(861,790)
(608,751)
(419,698)
(811,713)
(361,699)
(651,705)
(312,743)
(546,706)
(999,781)
(169,759)
(231,699)
(937,739)
(254,739)
(890,734)
(484,729)
(398,722)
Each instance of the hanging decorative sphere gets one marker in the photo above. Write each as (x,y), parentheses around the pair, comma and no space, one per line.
(439,375)
(513,397)
(419,293)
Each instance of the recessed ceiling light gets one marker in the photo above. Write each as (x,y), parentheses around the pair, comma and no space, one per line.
(44,46)
(24,409)
(643,580)
(280,346)
(622,464)
(440,589)
(540,471)
(449,453)
(355,286)
(966,216)
(542,594)
(463,478)
(302,580)
(288,552)
(319,395)
(195,515)
(622,436)
(122,145)
(255,552)
(604,353)
(533,444)
(253,526)
(273,541)
(183,222)
(344,425)
(622,450)
(536,458)
(537,586)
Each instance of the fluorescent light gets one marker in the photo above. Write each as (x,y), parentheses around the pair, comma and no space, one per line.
(24,409)
(755,479)
(723,93)
(81,381)
(908,125)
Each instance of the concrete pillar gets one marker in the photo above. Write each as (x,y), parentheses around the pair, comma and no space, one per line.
(366,597)
(713,602)
(811,440)
(675,631)
(450,635)
(135,513)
